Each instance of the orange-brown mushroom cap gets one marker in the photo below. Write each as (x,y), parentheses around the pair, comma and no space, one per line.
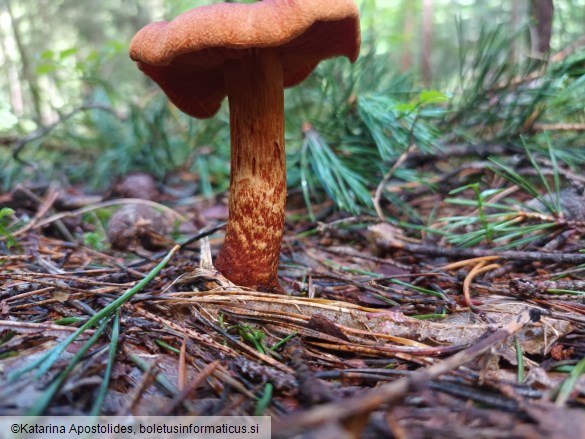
(186,56)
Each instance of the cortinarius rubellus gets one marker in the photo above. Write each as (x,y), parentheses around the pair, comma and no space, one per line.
(249,53)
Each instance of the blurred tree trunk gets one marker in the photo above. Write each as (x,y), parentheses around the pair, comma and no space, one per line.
(407,35)
(11,75)
(541,14)
(426,41)
(515,17)
(27,74)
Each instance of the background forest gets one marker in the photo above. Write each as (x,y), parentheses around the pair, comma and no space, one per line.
(74,108)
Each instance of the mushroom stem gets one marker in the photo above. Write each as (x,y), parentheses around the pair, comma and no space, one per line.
(257,198)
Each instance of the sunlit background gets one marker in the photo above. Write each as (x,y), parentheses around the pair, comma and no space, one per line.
(66,61)
(54,52)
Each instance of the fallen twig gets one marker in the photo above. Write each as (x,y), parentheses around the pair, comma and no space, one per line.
(467,253)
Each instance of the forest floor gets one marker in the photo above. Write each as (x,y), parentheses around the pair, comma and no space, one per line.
(381,333)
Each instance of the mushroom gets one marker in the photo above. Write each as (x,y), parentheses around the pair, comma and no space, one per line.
(248,52)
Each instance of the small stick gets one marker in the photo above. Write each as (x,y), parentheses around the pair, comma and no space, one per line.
(44,208)
(44,328)
(559,127)
(468,253)
(190,388)
(387,177)
(182,379)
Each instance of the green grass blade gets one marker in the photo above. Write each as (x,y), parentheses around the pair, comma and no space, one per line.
(45,363)
(95,411)
(43,402)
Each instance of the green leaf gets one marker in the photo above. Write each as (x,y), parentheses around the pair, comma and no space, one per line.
(48,54)
(95,240)
(68,52)
(405,107)
(6,226)
(43,69)
(432,97)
